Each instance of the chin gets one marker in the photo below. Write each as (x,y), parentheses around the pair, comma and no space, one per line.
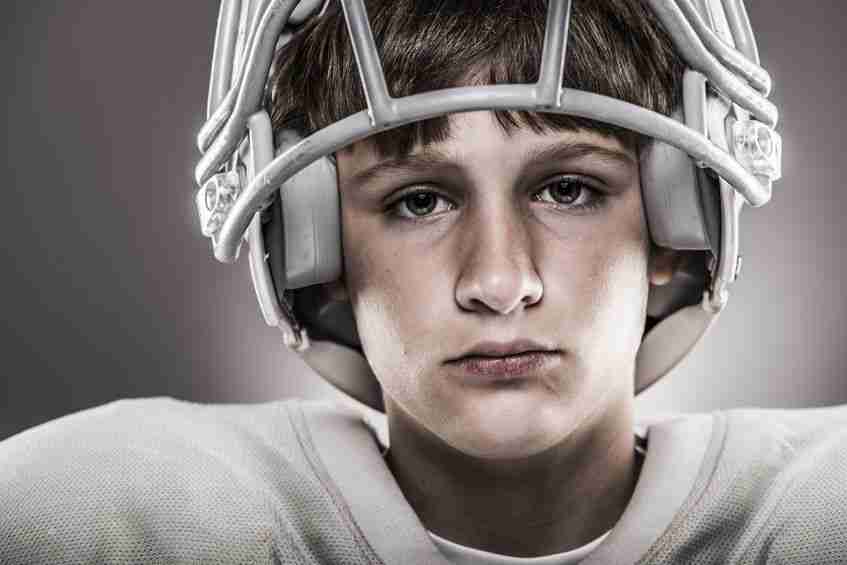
(514,446)
(509,428)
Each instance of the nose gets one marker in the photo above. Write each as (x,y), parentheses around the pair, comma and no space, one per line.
(498,274)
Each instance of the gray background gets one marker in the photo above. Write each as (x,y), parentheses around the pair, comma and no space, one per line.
(108,290)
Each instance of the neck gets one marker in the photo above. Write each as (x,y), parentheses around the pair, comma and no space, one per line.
(547,503)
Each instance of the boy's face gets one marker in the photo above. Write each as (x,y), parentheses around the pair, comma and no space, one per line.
(534,242)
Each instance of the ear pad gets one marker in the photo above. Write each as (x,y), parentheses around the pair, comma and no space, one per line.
(672,198)
(680,200)
(311,227)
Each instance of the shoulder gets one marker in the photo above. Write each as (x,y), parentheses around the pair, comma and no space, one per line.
(801,503)
(770,488)
(165,479)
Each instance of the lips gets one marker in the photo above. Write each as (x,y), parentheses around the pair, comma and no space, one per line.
(504,349)
(492,362)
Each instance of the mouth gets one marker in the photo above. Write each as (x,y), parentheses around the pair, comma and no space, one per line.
(490,362)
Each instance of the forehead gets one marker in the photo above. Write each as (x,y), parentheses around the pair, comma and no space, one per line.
(477,140)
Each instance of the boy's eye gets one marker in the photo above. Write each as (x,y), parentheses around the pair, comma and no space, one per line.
(420,204)
(568,193)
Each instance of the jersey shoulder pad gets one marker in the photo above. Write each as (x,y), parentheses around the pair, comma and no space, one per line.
(161,479)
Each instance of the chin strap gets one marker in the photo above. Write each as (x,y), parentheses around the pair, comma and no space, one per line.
(345,369)
(669,341)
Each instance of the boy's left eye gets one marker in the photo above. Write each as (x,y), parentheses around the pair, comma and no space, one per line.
(568,192)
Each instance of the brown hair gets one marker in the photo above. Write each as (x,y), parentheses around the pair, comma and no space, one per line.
(615,48)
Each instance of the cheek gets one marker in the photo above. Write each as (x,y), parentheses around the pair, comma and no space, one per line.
(596,277)
(621,302)
(395,297)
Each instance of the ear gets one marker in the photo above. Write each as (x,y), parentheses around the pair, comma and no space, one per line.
(663,264)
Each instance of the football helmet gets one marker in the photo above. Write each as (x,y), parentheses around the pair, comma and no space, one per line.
(278,192)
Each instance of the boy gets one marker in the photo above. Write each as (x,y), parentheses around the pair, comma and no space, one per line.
(498,278)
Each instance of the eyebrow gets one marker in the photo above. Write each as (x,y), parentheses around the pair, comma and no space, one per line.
(417,162)
(429,157)
(566,151)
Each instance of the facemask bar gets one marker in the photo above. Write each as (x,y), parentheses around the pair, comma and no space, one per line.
(688,36)
(740,62)
(226,127)
(269,18)
(223,57)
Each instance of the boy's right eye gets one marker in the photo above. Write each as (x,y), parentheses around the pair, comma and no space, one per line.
(420,204)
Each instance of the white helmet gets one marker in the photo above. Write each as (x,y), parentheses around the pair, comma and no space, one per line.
(279,192)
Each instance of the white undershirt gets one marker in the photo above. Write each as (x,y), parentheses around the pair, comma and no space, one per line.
(463,555)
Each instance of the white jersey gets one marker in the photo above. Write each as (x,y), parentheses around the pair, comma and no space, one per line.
(160,480)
